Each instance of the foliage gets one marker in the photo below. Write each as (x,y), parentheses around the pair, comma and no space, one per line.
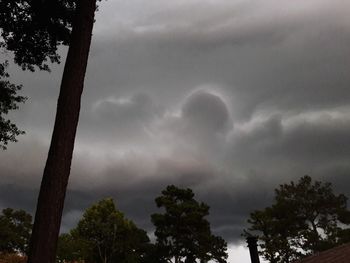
(72,249)
(15,230)
(33,29)
(306,217)
(105,235)
(8,101)
(182,231)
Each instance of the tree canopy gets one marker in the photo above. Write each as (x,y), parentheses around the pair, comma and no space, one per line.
(15,230)
(183,232)
(306,217)
(33,29)
(104,235)
(72,248)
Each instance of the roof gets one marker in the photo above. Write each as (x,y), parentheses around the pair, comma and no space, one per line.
(340,254)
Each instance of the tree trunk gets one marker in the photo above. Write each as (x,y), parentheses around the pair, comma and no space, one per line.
(42,247)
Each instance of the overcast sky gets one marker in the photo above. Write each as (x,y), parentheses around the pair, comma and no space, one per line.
(228,97)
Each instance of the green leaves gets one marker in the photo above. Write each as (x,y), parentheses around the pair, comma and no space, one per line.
(72,248)
(104,235)
(15,230)
(306,217)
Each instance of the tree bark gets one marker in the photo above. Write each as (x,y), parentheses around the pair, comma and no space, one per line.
(43,243)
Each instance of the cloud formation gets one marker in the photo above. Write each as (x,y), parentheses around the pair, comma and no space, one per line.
(227,98)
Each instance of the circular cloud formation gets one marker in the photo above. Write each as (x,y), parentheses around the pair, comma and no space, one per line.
(207,111)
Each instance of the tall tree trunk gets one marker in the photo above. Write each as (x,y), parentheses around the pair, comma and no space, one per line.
(42,247)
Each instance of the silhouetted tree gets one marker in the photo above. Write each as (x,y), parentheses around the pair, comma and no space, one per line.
(15,230)
(56,173)
(32,30)
(306,217)
(182,232)
(8,101)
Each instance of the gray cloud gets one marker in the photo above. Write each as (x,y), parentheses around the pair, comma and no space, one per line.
(228,98)
(205,111)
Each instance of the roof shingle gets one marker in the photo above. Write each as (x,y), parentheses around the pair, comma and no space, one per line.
(340,254)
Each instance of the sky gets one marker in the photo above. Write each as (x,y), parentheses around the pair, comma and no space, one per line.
(228,98)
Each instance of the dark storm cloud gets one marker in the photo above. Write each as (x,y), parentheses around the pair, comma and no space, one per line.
(230,203)
(266,154)
(134,184)
(300,141)
(304,68)
(17,197)
(229,98)
(206,111)
(121,119)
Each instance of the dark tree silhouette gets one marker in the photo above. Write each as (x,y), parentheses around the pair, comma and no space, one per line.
(56,173)
(182,231)
(32,30)
(306,217)
(8,101)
